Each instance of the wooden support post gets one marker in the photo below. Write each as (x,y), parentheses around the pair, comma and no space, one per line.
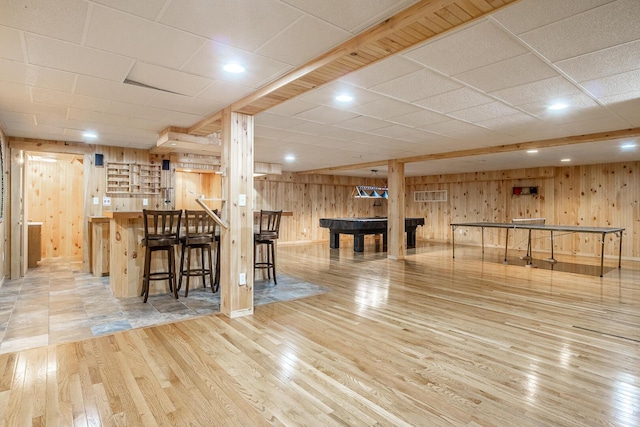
(236,242)
(395,230)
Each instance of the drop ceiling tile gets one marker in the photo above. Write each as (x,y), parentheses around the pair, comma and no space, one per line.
(326,95)
(270,133)
(483,112)
(608,25)
(184,104)
(115,91)
(418,85)
(353,15)
(167,79)
(455,100)
(268,119)
(628,110)
(512,123)
(456,129)
(71,57)
(621,99)
(394,131)
(150,113)
(362,124)
(542,90)
(54,97)
(13,119)
(97,117)
(508,73)
(603,63)
(225,92)
(148,9)
(10,44)
(618,84)
(381,72)
(286,47)
(139,38)
(420,119)
(581,107)
(478,45)
(527,15)
(314,128)
(326,115)
(16,72)
(594,125)
(384,109)
(62,19)
(292,107)
(26,107)
(13,91)
(211,57)
(246,25)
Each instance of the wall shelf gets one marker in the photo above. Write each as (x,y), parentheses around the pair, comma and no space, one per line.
(524,191)
(133,179)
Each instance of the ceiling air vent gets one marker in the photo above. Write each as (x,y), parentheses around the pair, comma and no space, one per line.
(135,83)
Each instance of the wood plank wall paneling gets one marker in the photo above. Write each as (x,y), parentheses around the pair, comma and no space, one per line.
(54,195)
(597,195)
(190,185)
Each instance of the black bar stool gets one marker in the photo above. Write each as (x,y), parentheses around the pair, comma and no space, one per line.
(161,233)
(199,233)
(266,236)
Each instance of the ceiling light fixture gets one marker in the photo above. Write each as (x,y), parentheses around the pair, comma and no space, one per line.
(289,157)
(532,151)
(234,68)
(344,98)
(565,160)
(628,146)
(557,106)
(90,134)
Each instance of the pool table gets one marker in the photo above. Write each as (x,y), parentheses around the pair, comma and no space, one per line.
(359,227)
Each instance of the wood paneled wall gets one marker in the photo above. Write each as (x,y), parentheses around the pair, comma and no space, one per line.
(190,185)
(595,195)
(54,197)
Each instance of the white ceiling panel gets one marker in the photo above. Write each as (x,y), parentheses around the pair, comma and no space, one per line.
(477,46)
(417,85)
(548,90)
(286,47)
(617,23)
(151,113)
(60,19)
(166,79)
(135,37)
(603,63)
(508,73)
(617,84)
(114,91)
(383,71)
(484,112)
(71,57)
(54,97)
(148,9)
(183,104)
(454,100)
(326,115)
(326,95)
(208,60)
(254,21)
(362,124)
(15,91)
(11,44)
(420,119)
(528,15)
(352,16)
(384,109)
(16,72)
(224,92)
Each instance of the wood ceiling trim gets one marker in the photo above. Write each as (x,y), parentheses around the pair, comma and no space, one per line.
(521,146)
(414,25)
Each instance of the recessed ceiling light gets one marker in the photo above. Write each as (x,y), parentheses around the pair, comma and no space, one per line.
(234,68)
(532,151)
(565,160)
(289,157)
(628,146)
(90,134)
(344,98)
(558,106)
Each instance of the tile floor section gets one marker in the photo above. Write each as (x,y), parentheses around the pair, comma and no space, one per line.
(56,302)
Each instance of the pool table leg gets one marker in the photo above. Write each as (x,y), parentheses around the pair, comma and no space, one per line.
(334,240)
(358,242)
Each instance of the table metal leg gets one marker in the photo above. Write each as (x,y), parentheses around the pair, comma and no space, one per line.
(453,241)
(482,228)
(620,251)
(506,243)
(602,257)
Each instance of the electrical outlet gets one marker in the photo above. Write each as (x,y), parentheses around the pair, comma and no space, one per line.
(242,279)
(106,201)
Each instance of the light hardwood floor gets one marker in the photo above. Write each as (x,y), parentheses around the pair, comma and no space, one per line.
(428,341)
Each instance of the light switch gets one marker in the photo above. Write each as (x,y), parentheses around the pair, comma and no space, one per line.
(145,202)
(96,201)
(242,200)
